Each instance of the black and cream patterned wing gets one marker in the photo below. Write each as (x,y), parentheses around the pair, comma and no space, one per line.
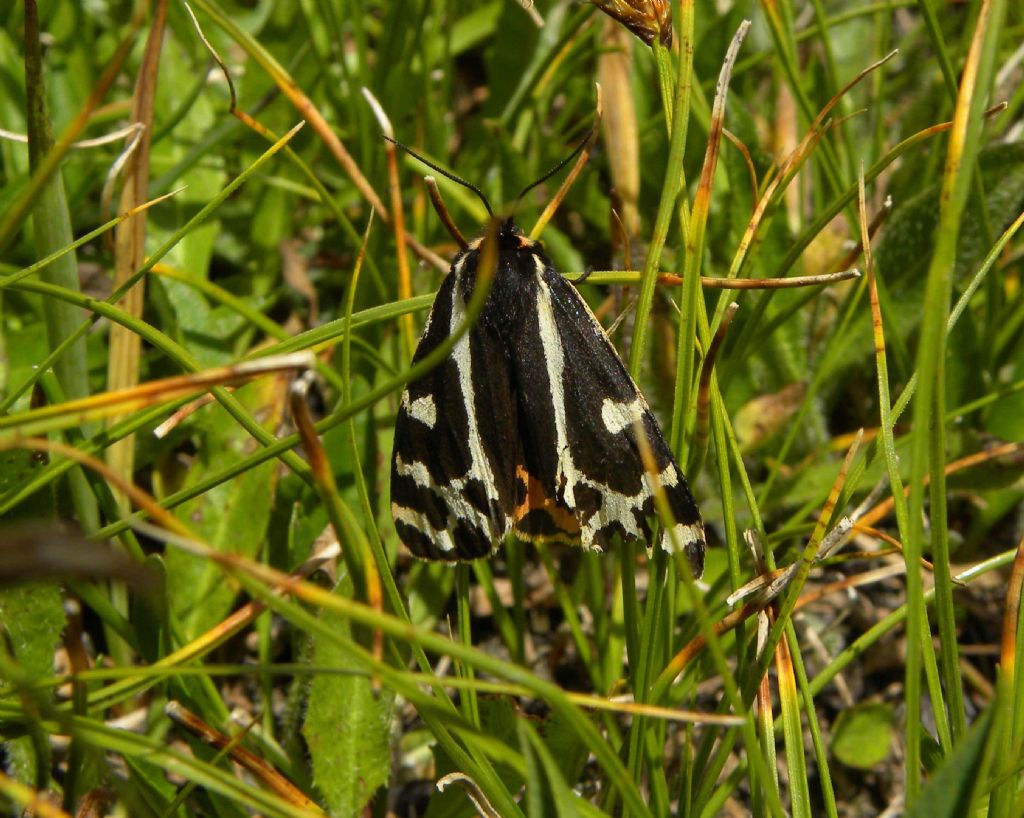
(456,440)
(582,474)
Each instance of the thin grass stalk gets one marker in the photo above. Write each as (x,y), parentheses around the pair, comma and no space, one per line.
(511,633)
(831,83)
(927,444)
(1013,646)
(687,299)
(51,223)
(719,422)
(698,216)
(464,620)
(821,753)
(886,420)
(515,560)
(652,651)
(881,43)
(792,729)
(1008,701)
(702,421)
(675,181)
(572,619)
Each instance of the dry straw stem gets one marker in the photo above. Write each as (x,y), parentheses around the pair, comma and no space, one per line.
(125,345)
(125,401)
(716,283)
(619,129)
(81,144)
(1008,647)
(245,758)
(363,567)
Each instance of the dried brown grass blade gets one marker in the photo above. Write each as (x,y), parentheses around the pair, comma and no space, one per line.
(130,238)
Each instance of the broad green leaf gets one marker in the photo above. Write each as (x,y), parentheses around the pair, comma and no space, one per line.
(347,727)
(33,618)
(862,735)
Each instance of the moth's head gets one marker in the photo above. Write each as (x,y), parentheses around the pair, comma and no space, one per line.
(511,240)
(517,249)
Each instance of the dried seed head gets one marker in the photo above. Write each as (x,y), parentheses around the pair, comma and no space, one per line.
(649,20)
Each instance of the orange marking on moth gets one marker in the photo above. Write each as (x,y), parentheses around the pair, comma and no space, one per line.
(537,499)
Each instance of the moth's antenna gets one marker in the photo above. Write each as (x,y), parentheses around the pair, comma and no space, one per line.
(447,174)
(575,152)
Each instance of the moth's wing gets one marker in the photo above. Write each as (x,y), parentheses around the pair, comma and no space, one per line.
(578,407)
(453,465)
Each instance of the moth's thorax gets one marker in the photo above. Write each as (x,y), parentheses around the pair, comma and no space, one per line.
(520,261)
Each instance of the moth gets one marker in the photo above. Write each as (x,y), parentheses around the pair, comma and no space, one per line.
(530,425)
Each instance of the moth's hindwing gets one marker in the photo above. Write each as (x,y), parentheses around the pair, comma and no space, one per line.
(453,465)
